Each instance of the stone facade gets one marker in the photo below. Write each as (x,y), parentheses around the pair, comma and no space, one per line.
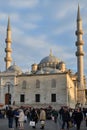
(44,85)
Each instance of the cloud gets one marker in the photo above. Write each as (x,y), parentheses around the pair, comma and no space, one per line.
(23,3)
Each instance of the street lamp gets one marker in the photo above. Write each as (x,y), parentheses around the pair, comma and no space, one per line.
(8,84)
(9,97)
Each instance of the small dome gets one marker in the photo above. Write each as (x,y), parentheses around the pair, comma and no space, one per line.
(15,68)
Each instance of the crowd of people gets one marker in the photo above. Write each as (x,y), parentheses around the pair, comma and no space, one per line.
(68,117)
(23,115)
(72,117)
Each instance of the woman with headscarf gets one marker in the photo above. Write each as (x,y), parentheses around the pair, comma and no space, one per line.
(21,119)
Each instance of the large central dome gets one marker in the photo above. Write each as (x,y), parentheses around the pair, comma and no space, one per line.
(49,59)
(49,65)
(49,62)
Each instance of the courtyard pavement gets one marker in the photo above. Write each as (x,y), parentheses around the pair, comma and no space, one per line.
(50,125)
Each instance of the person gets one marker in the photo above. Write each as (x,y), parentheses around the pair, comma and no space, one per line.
(42,118)
(60,112)
(21,119)
(78,118)
(29,115)
(55,115)
(65,118)
(16,114)
(34,116)
(86,119)
(73,117)
(85,115)
(10,116)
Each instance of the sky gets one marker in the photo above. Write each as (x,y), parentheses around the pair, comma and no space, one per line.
(40,25)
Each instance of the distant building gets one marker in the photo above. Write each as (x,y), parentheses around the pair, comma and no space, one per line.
(49,83)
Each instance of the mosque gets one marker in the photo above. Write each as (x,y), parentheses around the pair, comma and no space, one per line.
(49,83)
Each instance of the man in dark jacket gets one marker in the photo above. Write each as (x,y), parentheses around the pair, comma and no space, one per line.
(65,118)
(78,118)
(16,114)
(10,116)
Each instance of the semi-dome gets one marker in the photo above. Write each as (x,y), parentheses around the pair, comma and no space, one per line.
(55,71)
(40,72)
(15,68)
(48,70)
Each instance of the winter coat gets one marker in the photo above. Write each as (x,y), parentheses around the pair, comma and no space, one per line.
(78,117)
(34,116)
(10,113)
(55,113)
(42,115)
(21,116)
(65,116)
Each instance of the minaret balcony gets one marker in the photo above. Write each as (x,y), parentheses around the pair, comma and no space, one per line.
(79,32)
(8,59)
(80,53)
(8,40)
(8,50)
(78,43)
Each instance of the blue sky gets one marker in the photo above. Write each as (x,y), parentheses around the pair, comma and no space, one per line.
(40,25)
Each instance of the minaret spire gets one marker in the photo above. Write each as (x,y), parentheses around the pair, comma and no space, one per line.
(8,26)
(80,55)
(8,49)
(78,14)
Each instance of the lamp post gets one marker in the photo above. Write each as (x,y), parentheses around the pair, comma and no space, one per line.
(9,85)
(9,95)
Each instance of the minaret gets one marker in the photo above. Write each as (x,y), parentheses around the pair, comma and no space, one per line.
(80,55)
(8,49)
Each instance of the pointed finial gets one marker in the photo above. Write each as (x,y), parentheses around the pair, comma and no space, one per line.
(8,26)
(78,13)
(50,52)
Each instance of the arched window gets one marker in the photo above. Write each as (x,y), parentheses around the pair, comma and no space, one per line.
(24,84)
(53,83)
(37,83)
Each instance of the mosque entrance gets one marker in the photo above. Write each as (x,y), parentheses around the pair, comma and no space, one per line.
(7,99)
